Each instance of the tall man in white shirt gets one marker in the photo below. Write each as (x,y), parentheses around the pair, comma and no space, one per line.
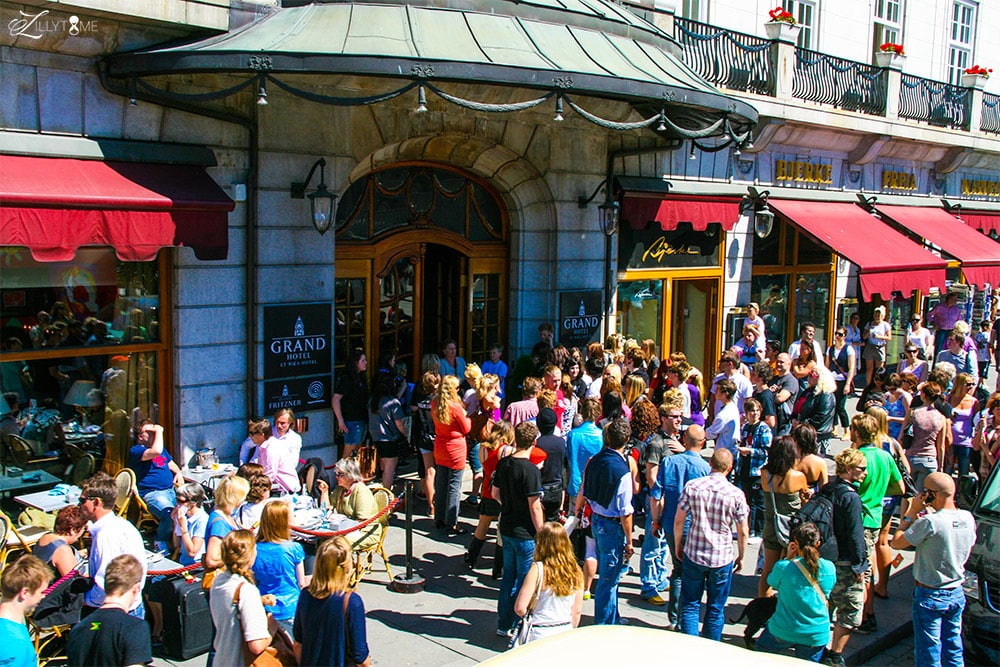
(110,535)
(807,336)
(729,368)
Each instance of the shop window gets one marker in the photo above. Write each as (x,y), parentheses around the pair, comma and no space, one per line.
(639,310)
(395,328)
(351,319)
(771,292)
(82,350)
(810,252)
(485,313)
(812,299)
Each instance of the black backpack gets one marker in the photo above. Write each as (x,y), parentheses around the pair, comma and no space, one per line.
(819,510)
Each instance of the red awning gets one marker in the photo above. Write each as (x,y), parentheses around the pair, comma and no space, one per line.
(887,261)
(56,205)
(979,254)
(980,220)
(639,209)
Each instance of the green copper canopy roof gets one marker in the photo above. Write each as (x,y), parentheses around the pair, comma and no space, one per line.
(589,47)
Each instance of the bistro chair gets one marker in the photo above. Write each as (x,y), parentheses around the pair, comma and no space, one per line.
(19,452)
(143,516)
(82,469)
(125,481)
(17,541)
(364,559)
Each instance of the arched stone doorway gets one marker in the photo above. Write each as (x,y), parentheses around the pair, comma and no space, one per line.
(422,253)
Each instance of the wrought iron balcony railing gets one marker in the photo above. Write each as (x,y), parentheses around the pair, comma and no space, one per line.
(749,64)
(733,60)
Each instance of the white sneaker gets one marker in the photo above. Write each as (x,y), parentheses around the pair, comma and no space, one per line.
(754,539)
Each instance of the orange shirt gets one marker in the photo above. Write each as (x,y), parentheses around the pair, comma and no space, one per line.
(450,447)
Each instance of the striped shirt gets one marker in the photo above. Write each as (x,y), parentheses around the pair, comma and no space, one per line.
(715,507)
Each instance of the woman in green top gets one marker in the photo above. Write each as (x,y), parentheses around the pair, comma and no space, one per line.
(803,582)
(352,498)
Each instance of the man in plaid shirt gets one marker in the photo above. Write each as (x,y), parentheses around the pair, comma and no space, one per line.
(715,507)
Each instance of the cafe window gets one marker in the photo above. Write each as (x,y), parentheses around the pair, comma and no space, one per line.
(82,350)
(792,277)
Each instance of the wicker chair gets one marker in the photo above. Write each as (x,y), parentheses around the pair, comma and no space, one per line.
(17,541)
(364,559)
(125,481)
(18,451)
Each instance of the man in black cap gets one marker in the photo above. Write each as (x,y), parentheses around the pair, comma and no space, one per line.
(554,447)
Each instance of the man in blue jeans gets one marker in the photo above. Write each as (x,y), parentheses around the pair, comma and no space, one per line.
(517,485)
(673,474)
(944,538)
(156,476)
(715,507)
(607,486)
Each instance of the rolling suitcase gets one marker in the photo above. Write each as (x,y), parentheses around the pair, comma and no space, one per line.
(187,620)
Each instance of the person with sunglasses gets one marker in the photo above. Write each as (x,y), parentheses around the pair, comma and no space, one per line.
(911,362)
(943,536)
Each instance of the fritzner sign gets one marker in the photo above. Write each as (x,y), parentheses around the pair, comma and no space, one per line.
(296,340)
(579,318)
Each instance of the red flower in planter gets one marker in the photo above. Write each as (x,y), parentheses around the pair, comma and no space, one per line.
(980,70)
(889,47)
(779,15)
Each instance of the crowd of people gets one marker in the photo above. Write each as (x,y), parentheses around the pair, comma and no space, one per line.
(574,453)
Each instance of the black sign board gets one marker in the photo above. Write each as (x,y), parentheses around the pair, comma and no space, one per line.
(296,340)
(580,315)
(654,248)
(298,393)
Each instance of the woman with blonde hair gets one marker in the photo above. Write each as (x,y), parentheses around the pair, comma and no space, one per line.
(481,404)
(820,405)
(890,504)
(559,581)
(635,390)
(499,444)
(235,603)
(423,426)
(965,409)
(329,626)
(451,426)
(696,387)
(229,495)
(279,566)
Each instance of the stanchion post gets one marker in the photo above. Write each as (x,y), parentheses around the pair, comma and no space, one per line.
(408,583)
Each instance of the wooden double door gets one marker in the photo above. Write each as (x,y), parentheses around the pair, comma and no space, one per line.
(410,293)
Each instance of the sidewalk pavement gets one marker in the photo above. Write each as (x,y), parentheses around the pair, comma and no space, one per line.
(453,622)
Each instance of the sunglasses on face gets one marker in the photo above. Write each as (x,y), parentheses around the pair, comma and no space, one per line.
(840,333)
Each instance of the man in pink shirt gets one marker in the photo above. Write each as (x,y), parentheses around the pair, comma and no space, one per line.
(526,409)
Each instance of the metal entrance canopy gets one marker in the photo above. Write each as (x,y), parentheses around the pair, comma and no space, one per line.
(566,47)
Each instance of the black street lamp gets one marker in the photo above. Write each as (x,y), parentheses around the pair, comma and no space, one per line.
(322,202)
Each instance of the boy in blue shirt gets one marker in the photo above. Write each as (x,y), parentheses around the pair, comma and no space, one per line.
(22,586)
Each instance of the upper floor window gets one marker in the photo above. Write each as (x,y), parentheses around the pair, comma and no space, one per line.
(804,12)
(888,22)
(961,39)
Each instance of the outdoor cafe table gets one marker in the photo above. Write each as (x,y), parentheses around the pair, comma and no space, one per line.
(47,501)
(209,476)
(30,479)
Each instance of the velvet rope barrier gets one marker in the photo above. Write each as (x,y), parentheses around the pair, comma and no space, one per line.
(176,570)
(320,533)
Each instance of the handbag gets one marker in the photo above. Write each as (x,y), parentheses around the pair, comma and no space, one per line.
(279,653)
(523,629)
(782,527)
(909,486)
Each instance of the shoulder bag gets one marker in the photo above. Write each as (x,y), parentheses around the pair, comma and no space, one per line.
(812,580)
(782,529)
(279,653)
(523,629)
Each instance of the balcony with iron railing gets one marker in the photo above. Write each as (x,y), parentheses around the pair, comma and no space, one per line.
(779,69)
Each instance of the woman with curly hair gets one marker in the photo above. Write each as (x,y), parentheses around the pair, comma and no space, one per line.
(451,425)
(559,581)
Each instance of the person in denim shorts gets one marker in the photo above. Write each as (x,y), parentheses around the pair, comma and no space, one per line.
(350,401)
